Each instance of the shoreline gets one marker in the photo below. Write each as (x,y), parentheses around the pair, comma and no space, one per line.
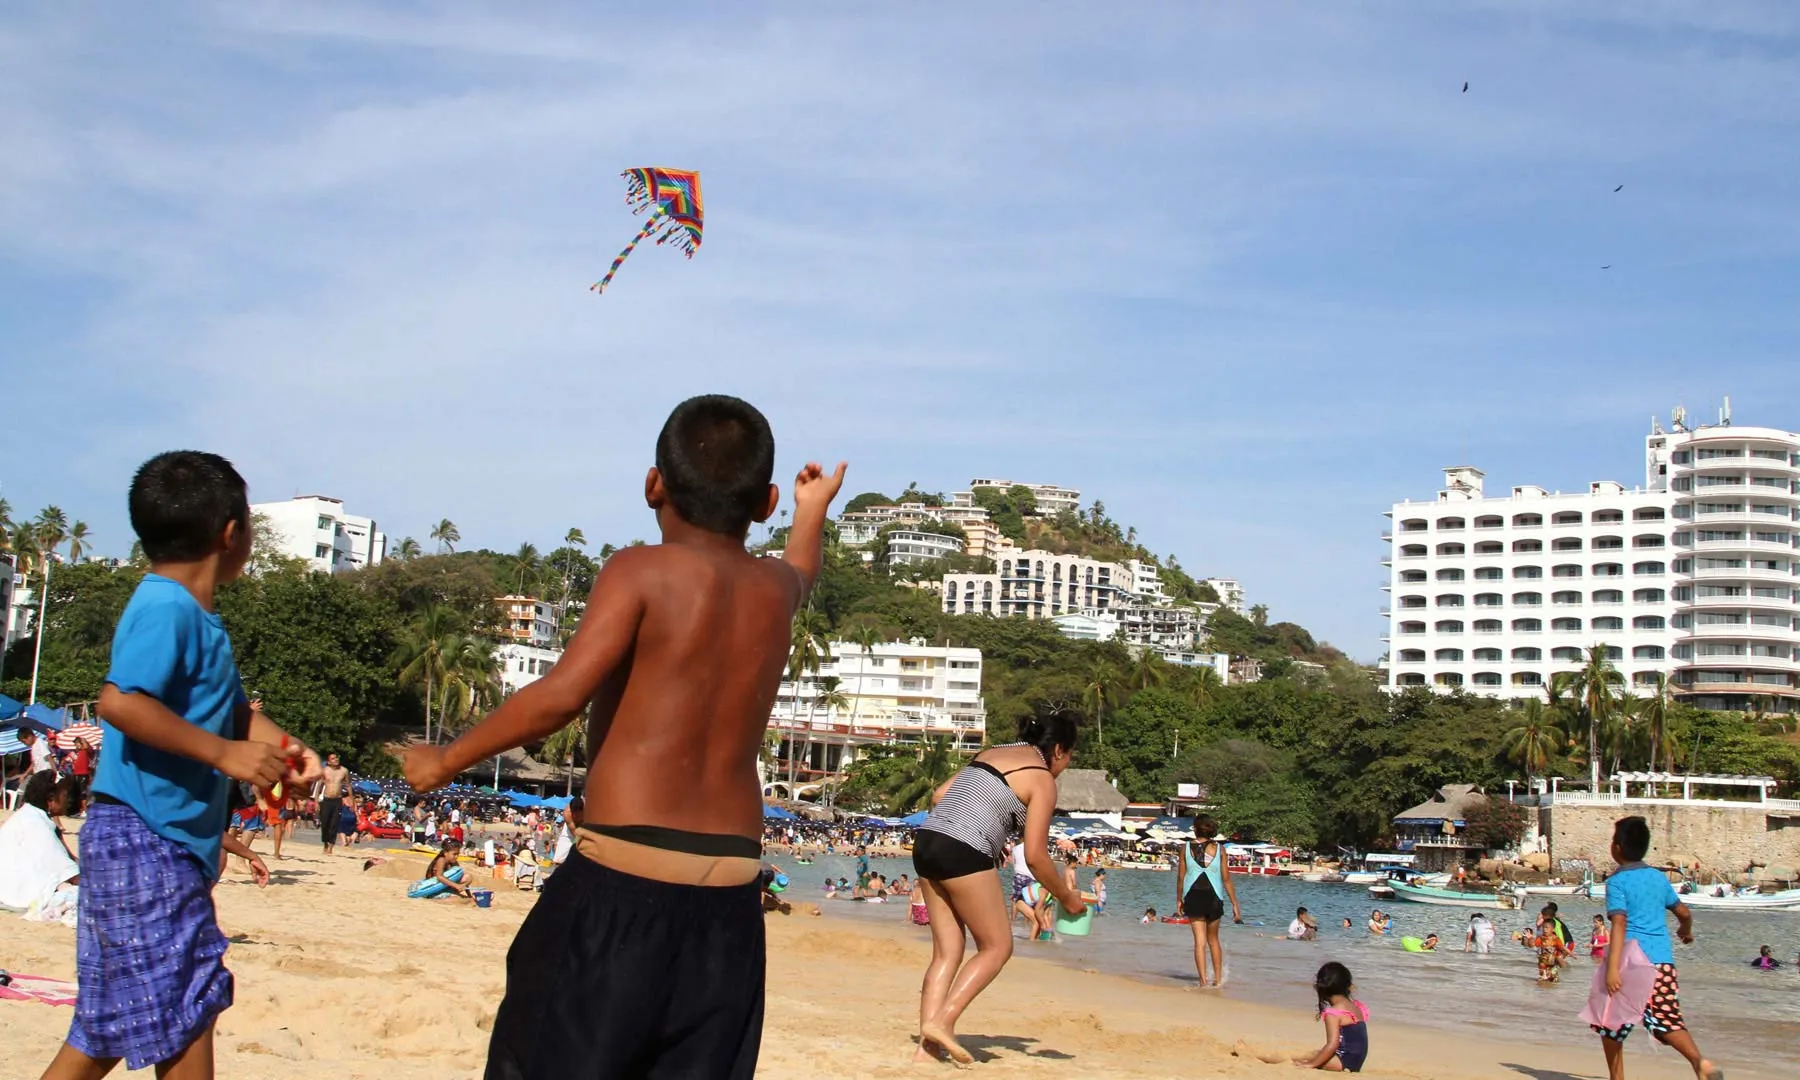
(338,972)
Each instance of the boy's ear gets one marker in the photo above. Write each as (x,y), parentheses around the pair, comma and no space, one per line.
(655,494)
(774,500)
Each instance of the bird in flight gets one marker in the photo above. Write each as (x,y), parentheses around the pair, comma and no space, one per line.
(1465,87)
(1608,266)
(1618,189)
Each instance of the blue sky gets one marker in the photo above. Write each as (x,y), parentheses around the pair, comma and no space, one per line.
(1247,273)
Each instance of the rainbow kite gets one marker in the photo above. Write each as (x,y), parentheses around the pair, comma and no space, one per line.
(673,198)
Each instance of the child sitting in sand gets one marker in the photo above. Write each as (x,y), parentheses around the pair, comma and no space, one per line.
(1346,1023)
(646,955)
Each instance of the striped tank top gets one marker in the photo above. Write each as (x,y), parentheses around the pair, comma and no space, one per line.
(980,809)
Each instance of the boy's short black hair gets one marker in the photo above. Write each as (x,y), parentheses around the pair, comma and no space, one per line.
(1632,835)
(182,500)
(716,455)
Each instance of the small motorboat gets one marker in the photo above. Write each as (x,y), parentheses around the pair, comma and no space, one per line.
(1383,891)
(1427,894)
(1721,897)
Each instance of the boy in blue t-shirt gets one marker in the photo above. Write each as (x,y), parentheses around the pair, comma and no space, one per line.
(1638,900)
(178,729)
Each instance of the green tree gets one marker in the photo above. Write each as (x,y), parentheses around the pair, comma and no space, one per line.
(1594,690)
(919,777)
(866,500)
(810,649)
(471,681)
(407,549)
(1534,741)
(1103,683)
(567,746)
(420,657)
(80,540)
(446,535)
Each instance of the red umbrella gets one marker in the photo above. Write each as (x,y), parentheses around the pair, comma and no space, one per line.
(79,732)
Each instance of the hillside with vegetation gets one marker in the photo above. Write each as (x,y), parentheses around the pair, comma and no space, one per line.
(1308,756)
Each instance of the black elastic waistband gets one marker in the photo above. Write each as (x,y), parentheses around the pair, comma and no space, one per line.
(104,799)
(710,845)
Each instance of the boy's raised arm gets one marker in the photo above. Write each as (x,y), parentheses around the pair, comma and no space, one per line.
(813,492)
(607,632)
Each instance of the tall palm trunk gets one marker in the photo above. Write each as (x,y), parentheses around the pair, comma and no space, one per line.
(37,650)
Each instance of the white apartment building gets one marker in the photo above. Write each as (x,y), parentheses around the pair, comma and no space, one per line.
(1146,582)
(858,528)
(315,528)
(521,664)
(900,692)
(1038,585)
(909,548)
(1692,576)
(529,621)
(1051,499)
(8,585)
(1231,594)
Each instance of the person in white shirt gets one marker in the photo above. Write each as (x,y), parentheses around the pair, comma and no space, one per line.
(1304,927)
(42,760)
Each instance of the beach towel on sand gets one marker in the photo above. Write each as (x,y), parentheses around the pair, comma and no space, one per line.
(38,988)
(1613,1011)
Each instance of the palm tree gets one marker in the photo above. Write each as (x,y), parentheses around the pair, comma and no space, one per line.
(1534,741)
(6,525)
(1149,670)
(937,762)
(565,746)
(419,657)
(526,562)
(1102,685)
(471,680)
(810,649)
(1594,690)
(407,549)
(80,541)
(49,530)
(1259,614)
(572,539)
(444,532)
(1204,685)
(832,699)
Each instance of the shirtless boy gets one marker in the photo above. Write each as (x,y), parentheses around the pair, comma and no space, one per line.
(645,956)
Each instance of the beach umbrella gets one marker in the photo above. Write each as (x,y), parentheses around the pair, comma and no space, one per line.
(776,813)
(522,801)
(366,787)
(9,708)
(9,741)
(556,802)
(913,821)
(42,717)
(79,732)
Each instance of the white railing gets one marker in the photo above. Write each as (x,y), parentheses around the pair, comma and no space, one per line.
(1564,798)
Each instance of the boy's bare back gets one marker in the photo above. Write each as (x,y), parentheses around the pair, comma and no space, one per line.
(677,727)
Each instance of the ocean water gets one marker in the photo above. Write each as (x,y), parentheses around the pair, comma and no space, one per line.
(1738,1014)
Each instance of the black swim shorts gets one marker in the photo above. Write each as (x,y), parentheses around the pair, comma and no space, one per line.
(937,857)
(615,976)
(1202,903)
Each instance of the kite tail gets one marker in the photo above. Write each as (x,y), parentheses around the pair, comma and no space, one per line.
(649,227)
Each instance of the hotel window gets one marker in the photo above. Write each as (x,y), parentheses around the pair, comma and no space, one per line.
(1566,570)
(1648,513)
(1527,546)
(1528,655)
(1566,625)
(1566,654)
(1648,622)
(1527,626)
(1527,573)
(1608,622)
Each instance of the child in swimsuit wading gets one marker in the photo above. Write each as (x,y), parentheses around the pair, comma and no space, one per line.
(645,954)
(1346,1023)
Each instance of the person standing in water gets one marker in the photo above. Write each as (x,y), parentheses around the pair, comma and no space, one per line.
(1006,790)
(1205,886)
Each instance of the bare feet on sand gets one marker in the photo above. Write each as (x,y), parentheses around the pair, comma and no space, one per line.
(936,1035)
(1245,1050)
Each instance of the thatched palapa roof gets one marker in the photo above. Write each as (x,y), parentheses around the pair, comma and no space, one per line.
(1086,791)
(1448,803)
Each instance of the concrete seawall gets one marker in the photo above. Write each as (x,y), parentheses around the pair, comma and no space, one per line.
(1727,839)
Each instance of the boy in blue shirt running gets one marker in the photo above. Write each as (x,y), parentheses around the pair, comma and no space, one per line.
(178,729)
(1638,900)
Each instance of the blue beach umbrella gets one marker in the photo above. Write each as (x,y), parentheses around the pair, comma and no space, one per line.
(913,821)
(9,708)
(776,813)
(44,717)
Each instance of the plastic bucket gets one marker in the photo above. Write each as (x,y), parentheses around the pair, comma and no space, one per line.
(483,897)
(1074,925)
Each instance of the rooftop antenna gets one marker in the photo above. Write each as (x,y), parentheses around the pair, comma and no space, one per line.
(1679,418)
(1725,413)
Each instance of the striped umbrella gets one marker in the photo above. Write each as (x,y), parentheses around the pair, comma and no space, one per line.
(81,730)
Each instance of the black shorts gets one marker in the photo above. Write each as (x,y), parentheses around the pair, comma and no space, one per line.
(616,976)
(937,857)
(1202,903)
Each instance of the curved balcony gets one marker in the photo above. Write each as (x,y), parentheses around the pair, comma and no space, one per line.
(1735,603)
(1738,632)
(1770,665)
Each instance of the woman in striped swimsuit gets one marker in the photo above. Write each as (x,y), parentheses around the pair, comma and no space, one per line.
(1006,791)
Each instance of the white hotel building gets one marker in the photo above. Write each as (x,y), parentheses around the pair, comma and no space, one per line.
(900,692)
(1692,576)
(315,529)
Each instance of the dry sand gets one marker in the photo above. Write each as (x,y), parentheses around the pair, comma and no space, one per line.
(339,974)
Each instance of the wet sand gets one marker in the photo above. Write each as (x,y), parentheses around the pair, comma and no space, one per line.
(338,973)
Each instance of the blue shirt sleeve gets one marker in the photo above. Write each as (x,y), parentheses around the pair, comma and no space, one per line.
(1614,906)
(1671,897)
(148,655)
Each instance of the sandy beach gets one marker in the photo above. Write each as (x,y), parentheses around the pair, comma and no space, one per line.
(338,973)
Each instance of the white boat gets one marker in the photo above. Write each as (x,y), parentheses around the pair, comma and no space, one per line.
(1450,898)
(1365,877)
(1708,898)
(1383,891)
(1553,890)
(1323,877)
